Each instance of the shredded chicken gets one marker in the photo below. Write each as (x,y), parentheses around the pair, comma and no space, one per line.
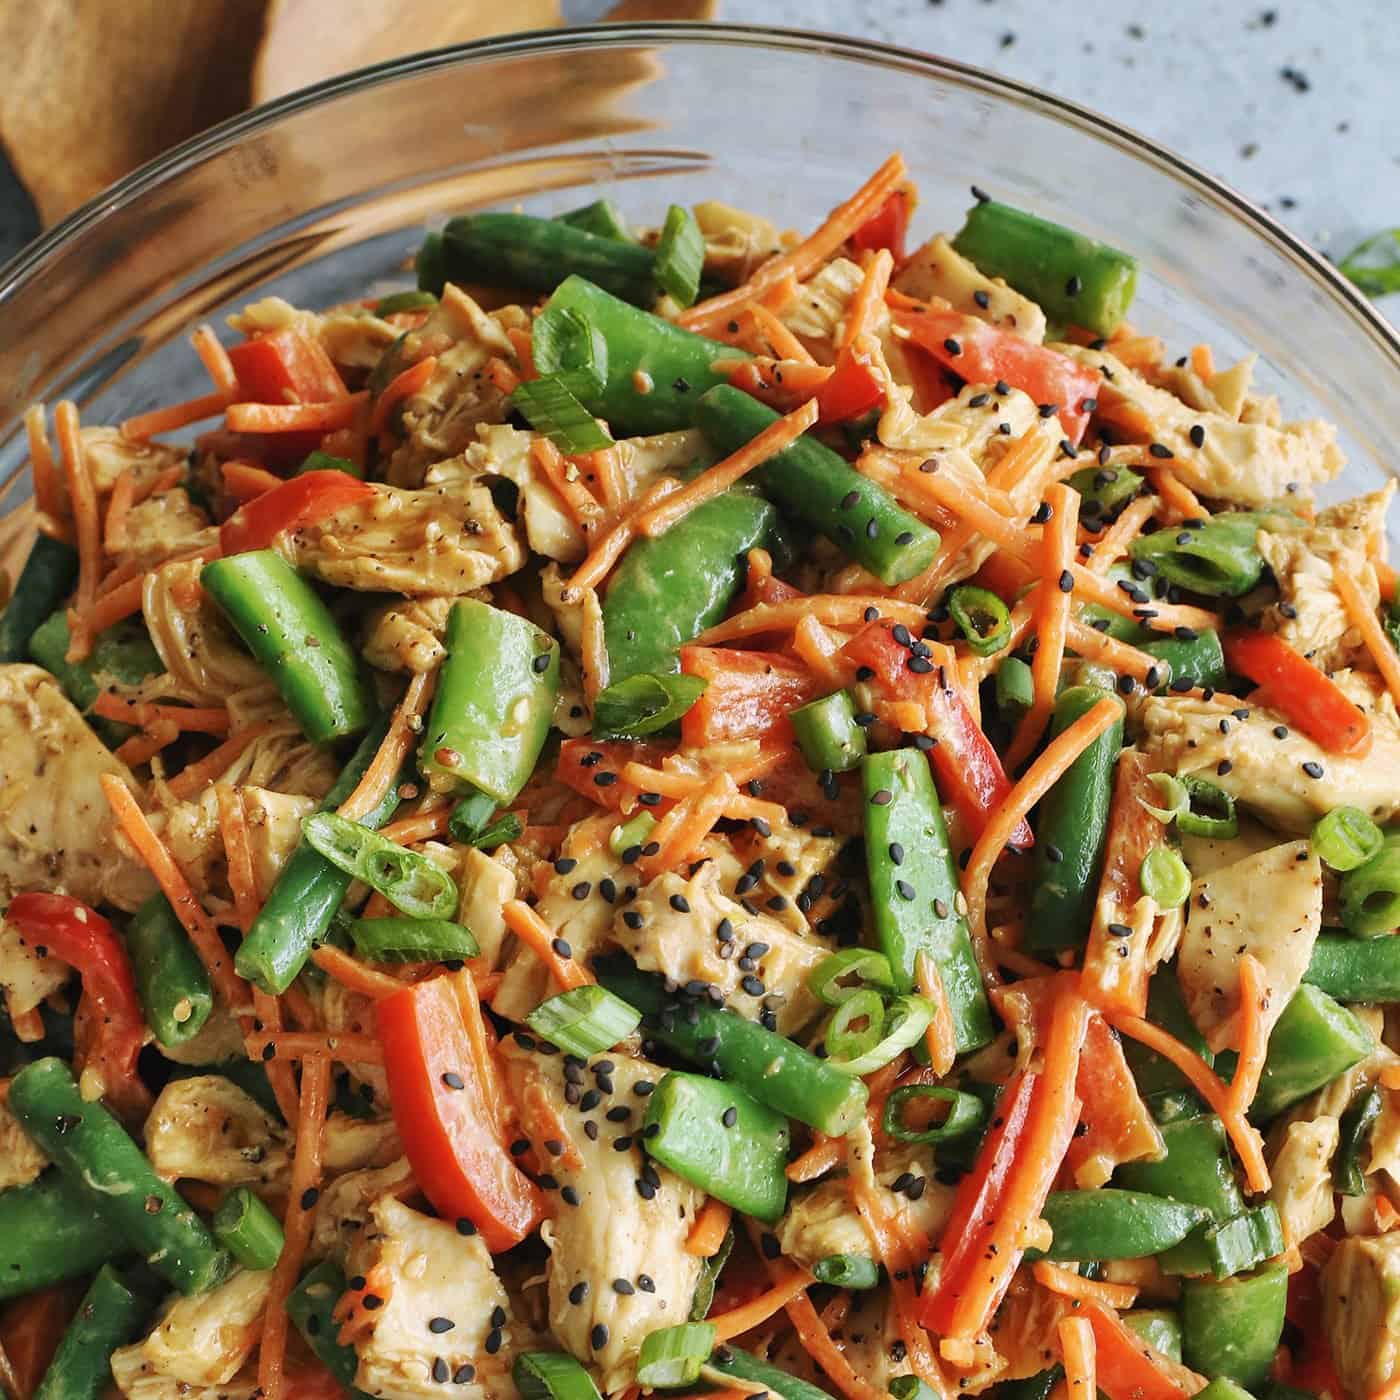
(938,270)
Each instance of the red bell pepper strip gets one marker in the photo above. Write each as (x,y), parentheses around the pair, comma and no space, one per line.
(749,696)
(969,773)
(1311,701)
(31,1329)
(983,354)
(886,228)
(855,387)
(1127,1367)
(67,929)
(442,1112)
(304,500)
(583,761)
(285,367)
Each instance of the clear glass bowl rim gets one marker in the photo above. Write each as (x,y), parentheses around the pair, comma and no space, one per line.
(31,262)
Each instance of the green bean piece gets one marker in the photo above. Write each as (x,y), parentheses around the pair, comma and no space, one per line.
(408,880)
(644,704)
(1160,1328)
(819,488)
(1355,969)
(1370,893)
(50,1232)
(1313,1041)
(730,1361)
(1223,1388)
(110,1315)
(248,1229)
(1111,1223)
(602,218)
(412,940)
(430,264)
(1218,558)
(1105,490)
(981,617)
(1199,659)
(94,1151)
(828,735)
(311,1305)
(1015,688)
(1348,1175)
(847,1271)
(48,577)
(1346,838)
(294,638)
(1231,1327)
(494,701)
(1073,828)
(170,978)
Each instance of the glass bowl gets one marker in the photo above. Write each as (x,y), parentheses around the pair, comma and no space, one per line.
(324,196)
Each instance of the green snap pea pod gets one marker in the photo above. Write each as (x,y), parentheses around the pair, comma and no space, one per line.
(1068,855)
(408,880)
(775,1070)
(1174,1104)
(110,1315)
(1105,490)
(668,589)
(50,1232)
(1200,659)
(93,1150)
(122,653)
(552,1375)
(294,638)
(47,578)
(1115,1224)
(412,940)
(309,1305)
(847,1271)
(1370,894)
(1231,1327)
(1355,969)
(823,491)
(519,250)
(1348,1175)
(1160,1328)
(602,218)
(1223,1388)
(1313,1041)
(1076,279)
(302,903)
(248,1229)
(718,1138)
(1015,687)
(494,700)
(1234,1245)
(827,733)
(744,1367)
(655,372)
(170,979)
(914,888)
(1219,559)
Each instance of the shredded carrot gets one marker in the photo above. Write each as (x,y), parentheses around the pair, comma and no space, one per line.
(818,1344)
(612,544)
(383,770)
(1069,1284)
(174,416)
(301,1045)
(1254,1039)
(186,719)
(141,748)
(711,1226)
(862,315)
(952,494)
(155,855)
(1039,778)
(1077,1347)
(767,335)
(403,385)
(1386,577)
(593,648)
(195,777)
(1208,1084)
(749,1315)
(823,1156)
(1203,361)
(82,498)
(294,417)
(1390,1076)
(48,498)
(118,508)
(233,826)
(296,1225)
(812,644)
(679,833)
(706,316)
(1094,645)
(1386,1214)
(941,1038)
(245,481)
(1363,618)
(538,937)
(720,477)
(1114,541)
(427,825)
(354,975)
(581,504)
(605,466)
(1175,495)
(830,609)
(505,379)
(1091,587)
(523,343)
(281,1074)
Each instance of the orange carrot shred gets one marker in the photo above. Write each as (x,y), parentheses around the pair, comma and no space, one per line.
(679,833)
(1069,1284)
(612,544)
(187,719)
(195,777)
(538,937)
(869,301)
(1363,618)
(766,334)
(758,1310)
(82,498)
(233,826)
(173,417)
(711,1226)
(403,385)
(427,825)
(301,1045)
(216,360)
(383,769)
(1254,1040)
(118,508)
(141,748)
(1077,1347)
(294,417)
(940,1037)
(354,975)
(581,504)
(48,498)
(245,481)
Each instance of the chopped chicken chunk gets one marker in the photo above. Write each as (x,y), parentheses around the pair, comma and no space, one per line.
(20,1160)
(343,1209)
(735,240)
(205,1340)
(937,269)
(486,886)
(406,634)
(1302,1178)
(206,1128)
(1361,1313)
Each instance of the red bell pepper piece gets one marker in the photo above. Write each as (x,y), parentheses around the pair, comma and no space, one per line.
(983,354)
(67,929)
(886,227)
(464,1170)
(1127,1367)
(31,1329)
(1312,701)
(304,500)
(855,387)
(749,696)
(285,367)
(583,761)
(967,768)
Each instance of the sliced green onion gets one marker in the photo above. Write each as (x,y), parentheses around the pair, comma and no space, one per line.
(506,827)
(1370,894)
(982,618)
(412,940)
(552,1375)
(1175,798)
(602,218)
(1015,686)
(847,1271)
(1211,811)
(1164,878)
(247,1229)
(409,881)
(911,1388)
(1374,264)
(680,255)
(471,823)
(584,1021)
(673,1356)
(404,301)
(847,1040)
(632,835)
(1346,838)
(324,462)
(1354,1130)
(966,1114)
(644,704)
(570,350)
(895,1030)
(863,964)
(551,409)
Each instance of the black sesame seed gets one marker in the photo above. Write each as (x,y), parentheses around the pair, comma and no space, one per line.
(1197,435)
(623,1287)
(440,1371)
(680,904)
(464,1374)
(465,1226)
(1312,769)
(578,1292)
(1159,450)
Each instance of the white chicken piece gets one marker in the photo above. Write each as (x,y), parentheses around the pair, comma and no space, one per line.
(160,526)
(793,864)
(353,336)
(343,1208)
(406,634)
(1266,770)
(218,1041)
(1361,1312)
(108,454)
(735,240)
(819,313)
(937,269)
(207,1129)
(20,1160)
(205,1340)
(605,1225)
(1246,464)
(446,540)
(1310,615)
(959,432)
(501,450)
(352,1144)
(437,1273)
(56,830)
(1223,392)
(486,887)
(27,976)
(274,830)
(1204,855)
(1301,1172)
(137,1379)
(1270,905)
(690,930)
